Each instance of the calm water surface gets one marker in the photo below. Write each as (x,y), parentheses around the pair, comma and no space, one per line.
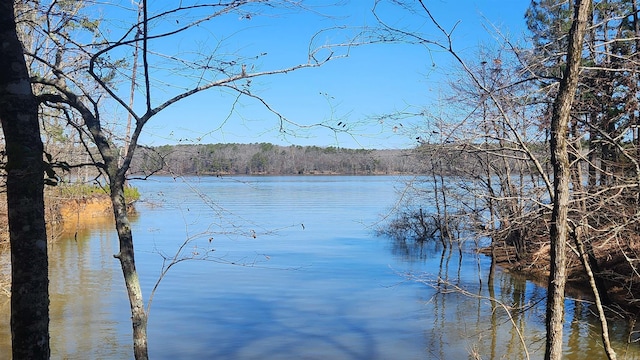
(290,267)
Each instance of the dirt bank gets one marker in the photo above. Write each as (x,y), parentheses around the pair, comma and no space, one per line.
(65,215)
(71,215)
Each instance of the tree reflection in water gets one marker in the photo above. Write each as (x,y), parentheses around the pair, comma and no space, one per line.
(505,318)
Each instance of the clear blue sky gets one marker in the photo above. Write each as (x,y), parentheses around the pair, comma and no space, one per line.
(373,80)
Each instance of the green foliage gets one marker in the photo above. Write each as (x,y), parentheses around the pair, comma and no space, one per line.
(81,190)
(259,162)
(164,149)
(266,147)
(548,21)
(131,194)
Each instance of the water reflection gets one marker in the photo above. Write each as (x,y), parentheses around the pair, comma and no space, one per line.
(80,290)
(328,290)
(83,286)
(505,317)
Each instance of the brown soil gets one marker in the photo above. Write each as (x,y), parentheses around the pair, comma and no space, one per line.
(63,216)
(66,215)
(75,214)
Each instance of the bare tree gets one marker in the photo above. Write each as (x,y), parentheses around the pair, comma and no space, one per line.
(99,58)
(561,179)
(497,130)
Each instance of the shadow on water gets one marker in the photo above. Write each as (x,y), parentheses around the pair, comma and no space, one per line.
(475,315)
(348,297)
(246,336)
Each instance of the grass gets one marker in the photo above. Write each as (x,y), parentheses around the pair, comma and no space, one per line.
(80,190)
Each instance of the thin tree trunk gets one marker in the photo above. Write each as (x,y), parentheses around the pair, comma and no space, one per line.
(127,263)
(584,258)
(25,199)
(132,90)
(636,79)
(561,178)
(116,175)
(436,195)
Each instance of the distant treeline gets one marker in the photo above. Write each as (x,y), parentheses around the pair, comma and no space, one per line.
(270,159)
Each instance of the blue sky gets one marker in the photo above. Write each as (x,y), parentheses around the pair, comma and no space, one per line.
(373,80)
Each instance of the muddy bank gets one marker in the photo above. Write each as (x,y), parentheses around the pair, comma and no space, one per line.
(71,215)
(65,215)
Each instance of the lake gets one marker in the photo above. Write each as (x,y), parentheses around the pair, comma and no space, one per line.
(291,267)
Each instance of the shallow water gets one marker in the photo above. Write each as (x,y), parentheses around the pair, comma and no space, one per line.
(294,270)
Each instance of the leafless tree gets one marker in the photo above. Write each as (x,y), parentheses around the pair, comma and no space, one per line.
(561,178)
(507,119)
(83,87)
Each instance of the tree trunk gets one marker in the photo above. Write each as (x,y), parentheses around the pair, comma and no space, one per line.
(562,175)
(25,200)
(127,262)
(599,295)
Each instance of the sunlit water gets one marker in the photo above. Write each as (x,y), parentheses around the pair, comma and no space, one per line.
(290,268)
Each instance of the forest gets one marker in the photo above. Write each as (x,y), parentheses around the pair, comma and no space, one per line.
(270,159)
(567,214)
(536,145)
